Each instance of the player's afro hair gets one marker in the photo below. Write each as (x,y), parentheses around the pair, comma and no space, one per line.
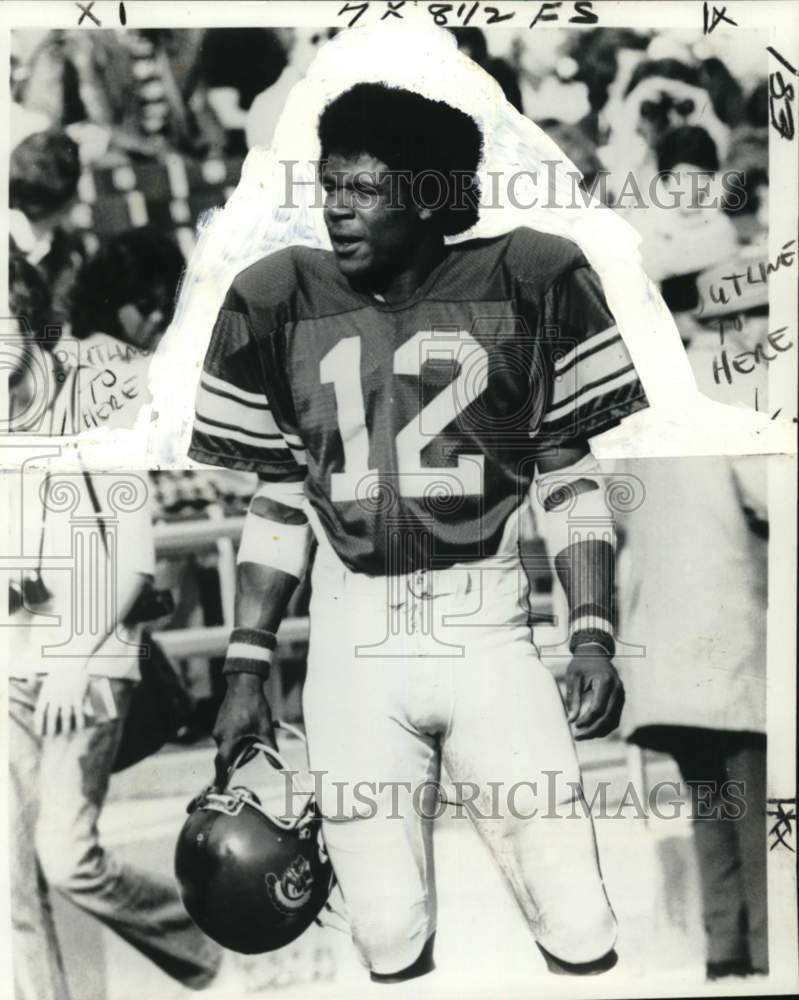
(437,144)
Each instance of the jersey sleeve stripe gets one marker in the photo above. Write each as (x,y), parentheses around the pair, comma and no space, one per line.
(212,428)
(225,394)
(592,348)
(605,360)
(604,409)
(223,410)
(590,391)
(274,463)
(590,345)
(242,395)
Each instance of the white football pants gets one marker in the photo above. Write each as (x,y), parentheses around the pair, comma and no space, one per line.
(407,673)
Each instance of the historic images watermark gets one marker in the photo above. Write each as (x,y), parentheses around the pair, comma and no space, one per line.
(554,795)
(550,187)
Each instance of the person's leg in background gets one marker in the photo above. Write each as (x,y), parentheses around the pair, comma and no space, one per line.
(700,756)
(184,577)
(143,908)
(38,964)
(209,591)
(745,761)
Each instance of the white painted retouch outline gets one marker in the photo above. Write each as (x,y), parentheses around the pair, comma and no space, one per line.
(256,221)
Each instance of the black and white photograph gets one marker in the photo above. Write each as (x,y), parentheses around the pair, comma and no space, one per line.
(398,426)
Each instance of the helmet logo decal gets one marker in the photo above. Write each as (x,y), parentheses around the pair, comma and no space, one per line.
(320,843)
(293,890)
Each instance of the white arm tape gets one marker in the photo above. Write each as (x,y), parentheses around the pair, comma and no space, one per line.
(290,494)
(572,517)
(271,543)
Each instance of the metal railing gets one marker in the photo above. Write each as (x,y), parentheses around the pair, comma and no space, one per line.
(221,534)
(211,640)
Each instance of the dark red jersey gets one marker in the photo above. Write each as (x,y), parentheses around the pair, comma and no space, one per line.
(414,426)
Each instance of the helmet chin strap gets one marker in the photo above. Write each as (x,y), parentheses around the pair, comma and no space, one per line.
(231,800)
(252,743)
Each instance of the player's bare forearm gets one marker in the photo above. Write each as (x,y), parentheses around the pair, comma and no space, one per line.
(262,596)
(261,601)
(263,592)
(586,569)
(594,691)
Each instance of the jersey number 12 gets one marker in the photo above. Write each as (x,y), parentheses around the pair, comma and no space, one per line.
(341,366)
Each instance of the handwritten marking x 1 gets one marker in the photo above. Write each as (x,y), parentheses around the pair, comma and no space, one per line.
(87,12)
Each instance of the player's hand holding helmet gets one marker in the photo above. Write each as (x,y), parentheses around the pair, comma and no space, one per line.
(244,711)
(251,880)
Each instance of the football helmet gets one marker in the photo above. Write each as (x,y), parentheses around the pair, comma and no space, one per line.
(251,880)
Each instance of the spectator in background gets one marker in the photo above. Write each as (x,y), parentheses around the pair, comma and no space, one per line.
(756,107)
(726,94)
(144,87)
(662,94)
(237,65)
(247,59)
(30,300)
(686,230)
(472,42)
(605,60)
(22,121)
(668,91)
(127,288)
(748,156)
(699,693)
(66,715)
(32,380)
(122,304)
(577,147)
(546,77)
(301,45)
(44,170)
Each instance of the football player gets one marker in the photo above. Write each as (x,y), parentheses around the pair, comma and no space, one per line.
(409,400)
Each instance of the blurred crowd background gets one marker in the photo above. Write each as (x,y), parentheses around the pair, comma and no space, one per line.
(122,139)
